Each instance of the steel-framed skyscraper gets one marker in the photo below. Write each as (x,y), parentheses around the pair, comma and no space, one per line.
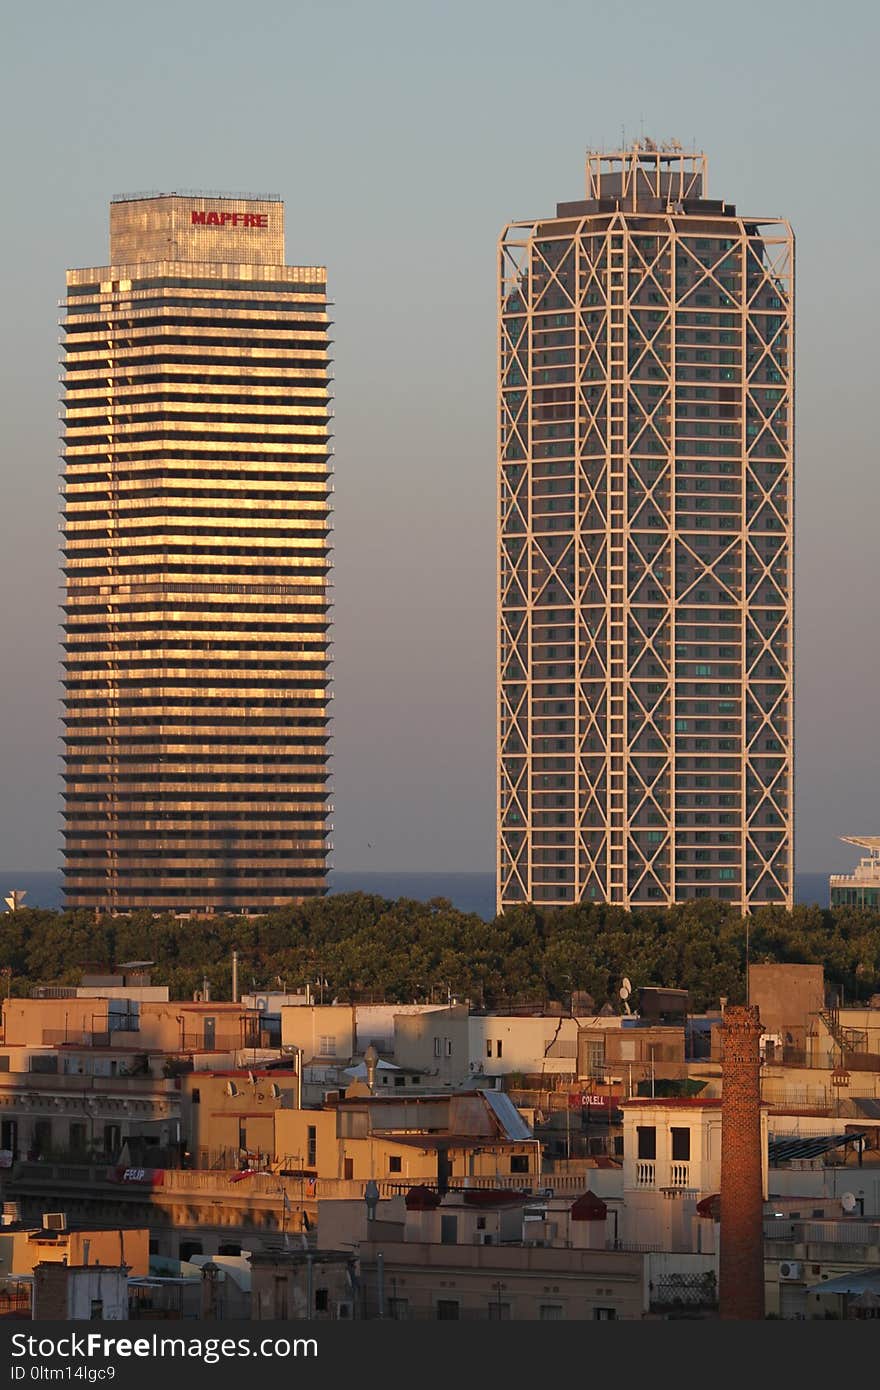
(196,526)
(645,544)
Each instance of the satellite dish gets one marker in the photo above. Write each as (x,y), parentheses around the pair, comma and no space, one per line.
(627,986)
(848,1201)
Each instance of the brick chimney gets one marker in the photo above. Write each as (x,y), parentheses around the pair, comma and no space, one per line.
(741,1282)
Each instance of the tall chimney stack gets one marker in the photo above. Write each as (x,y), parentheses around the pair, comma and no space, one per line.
(741,1282)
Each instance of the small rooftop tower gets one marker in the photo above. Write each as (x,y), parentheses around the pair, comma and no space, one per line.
(646,170)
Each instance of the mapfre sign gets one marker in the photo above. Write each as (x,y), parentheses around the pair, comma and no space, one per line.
(200,218)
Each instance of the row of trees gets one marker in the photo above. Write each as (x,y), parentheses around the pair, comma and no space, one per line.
(360,945)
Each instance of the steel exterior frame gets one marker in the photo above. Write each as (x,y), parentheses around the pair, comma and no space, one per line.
(636,545)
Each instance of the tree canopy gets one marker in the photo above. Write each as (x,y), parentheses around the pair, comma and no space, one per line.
(364,946)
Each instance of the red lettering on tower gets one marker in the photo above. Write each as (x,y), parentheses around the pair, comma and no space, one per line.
(201,218)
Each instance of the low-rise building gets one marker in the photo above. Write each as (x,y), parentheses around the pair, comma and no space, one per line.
(486,1255)
(228,1117)
(410,1139)
(91,1072)
(672,1171)
(23,1245)
(455,1044)
(317,1285)
(804,1251)
(80,1293)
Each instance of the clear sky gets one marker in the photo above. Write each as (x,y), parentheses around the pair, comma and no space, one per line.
(402,137)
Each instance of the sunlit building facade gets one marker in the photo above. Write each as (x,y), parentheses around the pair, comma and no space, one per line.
(645,544)
(196,521)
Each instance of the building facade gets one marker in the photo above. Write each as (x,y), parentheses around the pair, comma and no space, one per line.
(645,544)
(196,483)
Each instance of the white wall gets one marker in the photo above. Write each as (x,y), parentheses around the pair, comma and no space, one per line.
(524,1045)
(109,1285)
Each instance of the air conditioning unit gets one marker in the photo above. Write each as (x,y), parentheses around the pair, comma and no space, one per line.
(483,1238)
(54,1221)
(790,1269)
(344,1310)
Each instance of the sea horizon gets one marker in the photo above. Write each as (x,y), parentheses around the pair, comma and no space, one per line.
(469,891)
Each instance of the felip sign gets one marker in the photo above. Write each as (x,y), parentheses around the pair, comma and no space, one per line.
(201,218)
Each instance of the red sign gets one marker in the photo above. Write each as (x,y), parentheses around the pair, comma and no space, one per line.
(144,1177)
(229,219)
(588,1100)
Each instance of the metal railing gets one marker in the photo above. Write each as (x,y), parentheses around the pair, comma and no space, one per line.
(196,193)
(221,1042)
(79,1037)
(232,1181)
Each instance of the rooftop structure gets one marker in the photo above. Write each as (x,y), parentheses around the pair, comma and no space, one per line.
(862,887)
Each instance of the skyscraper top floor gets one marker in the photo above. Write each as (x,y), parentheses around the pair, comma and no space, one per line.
(197,227)
(647,173)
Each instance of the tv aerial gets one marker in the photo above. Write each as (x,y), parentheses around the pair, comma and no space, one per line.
(625,991)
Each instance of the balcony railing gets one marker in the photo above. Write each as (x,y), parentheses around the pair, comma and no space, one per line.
(220,1042)
(80,1037)
(678,1174)
(646,1170)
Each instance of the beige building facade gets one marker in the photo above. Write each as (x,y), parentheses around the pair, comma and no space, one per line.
(418,1139)
(22,1249)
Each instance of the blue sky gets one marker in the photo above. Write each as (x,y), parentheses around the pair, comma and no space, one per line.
(402,137)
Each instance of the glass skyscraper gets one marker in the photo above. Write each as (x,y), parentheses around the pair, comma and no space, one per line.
(645,544)
(196,484)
